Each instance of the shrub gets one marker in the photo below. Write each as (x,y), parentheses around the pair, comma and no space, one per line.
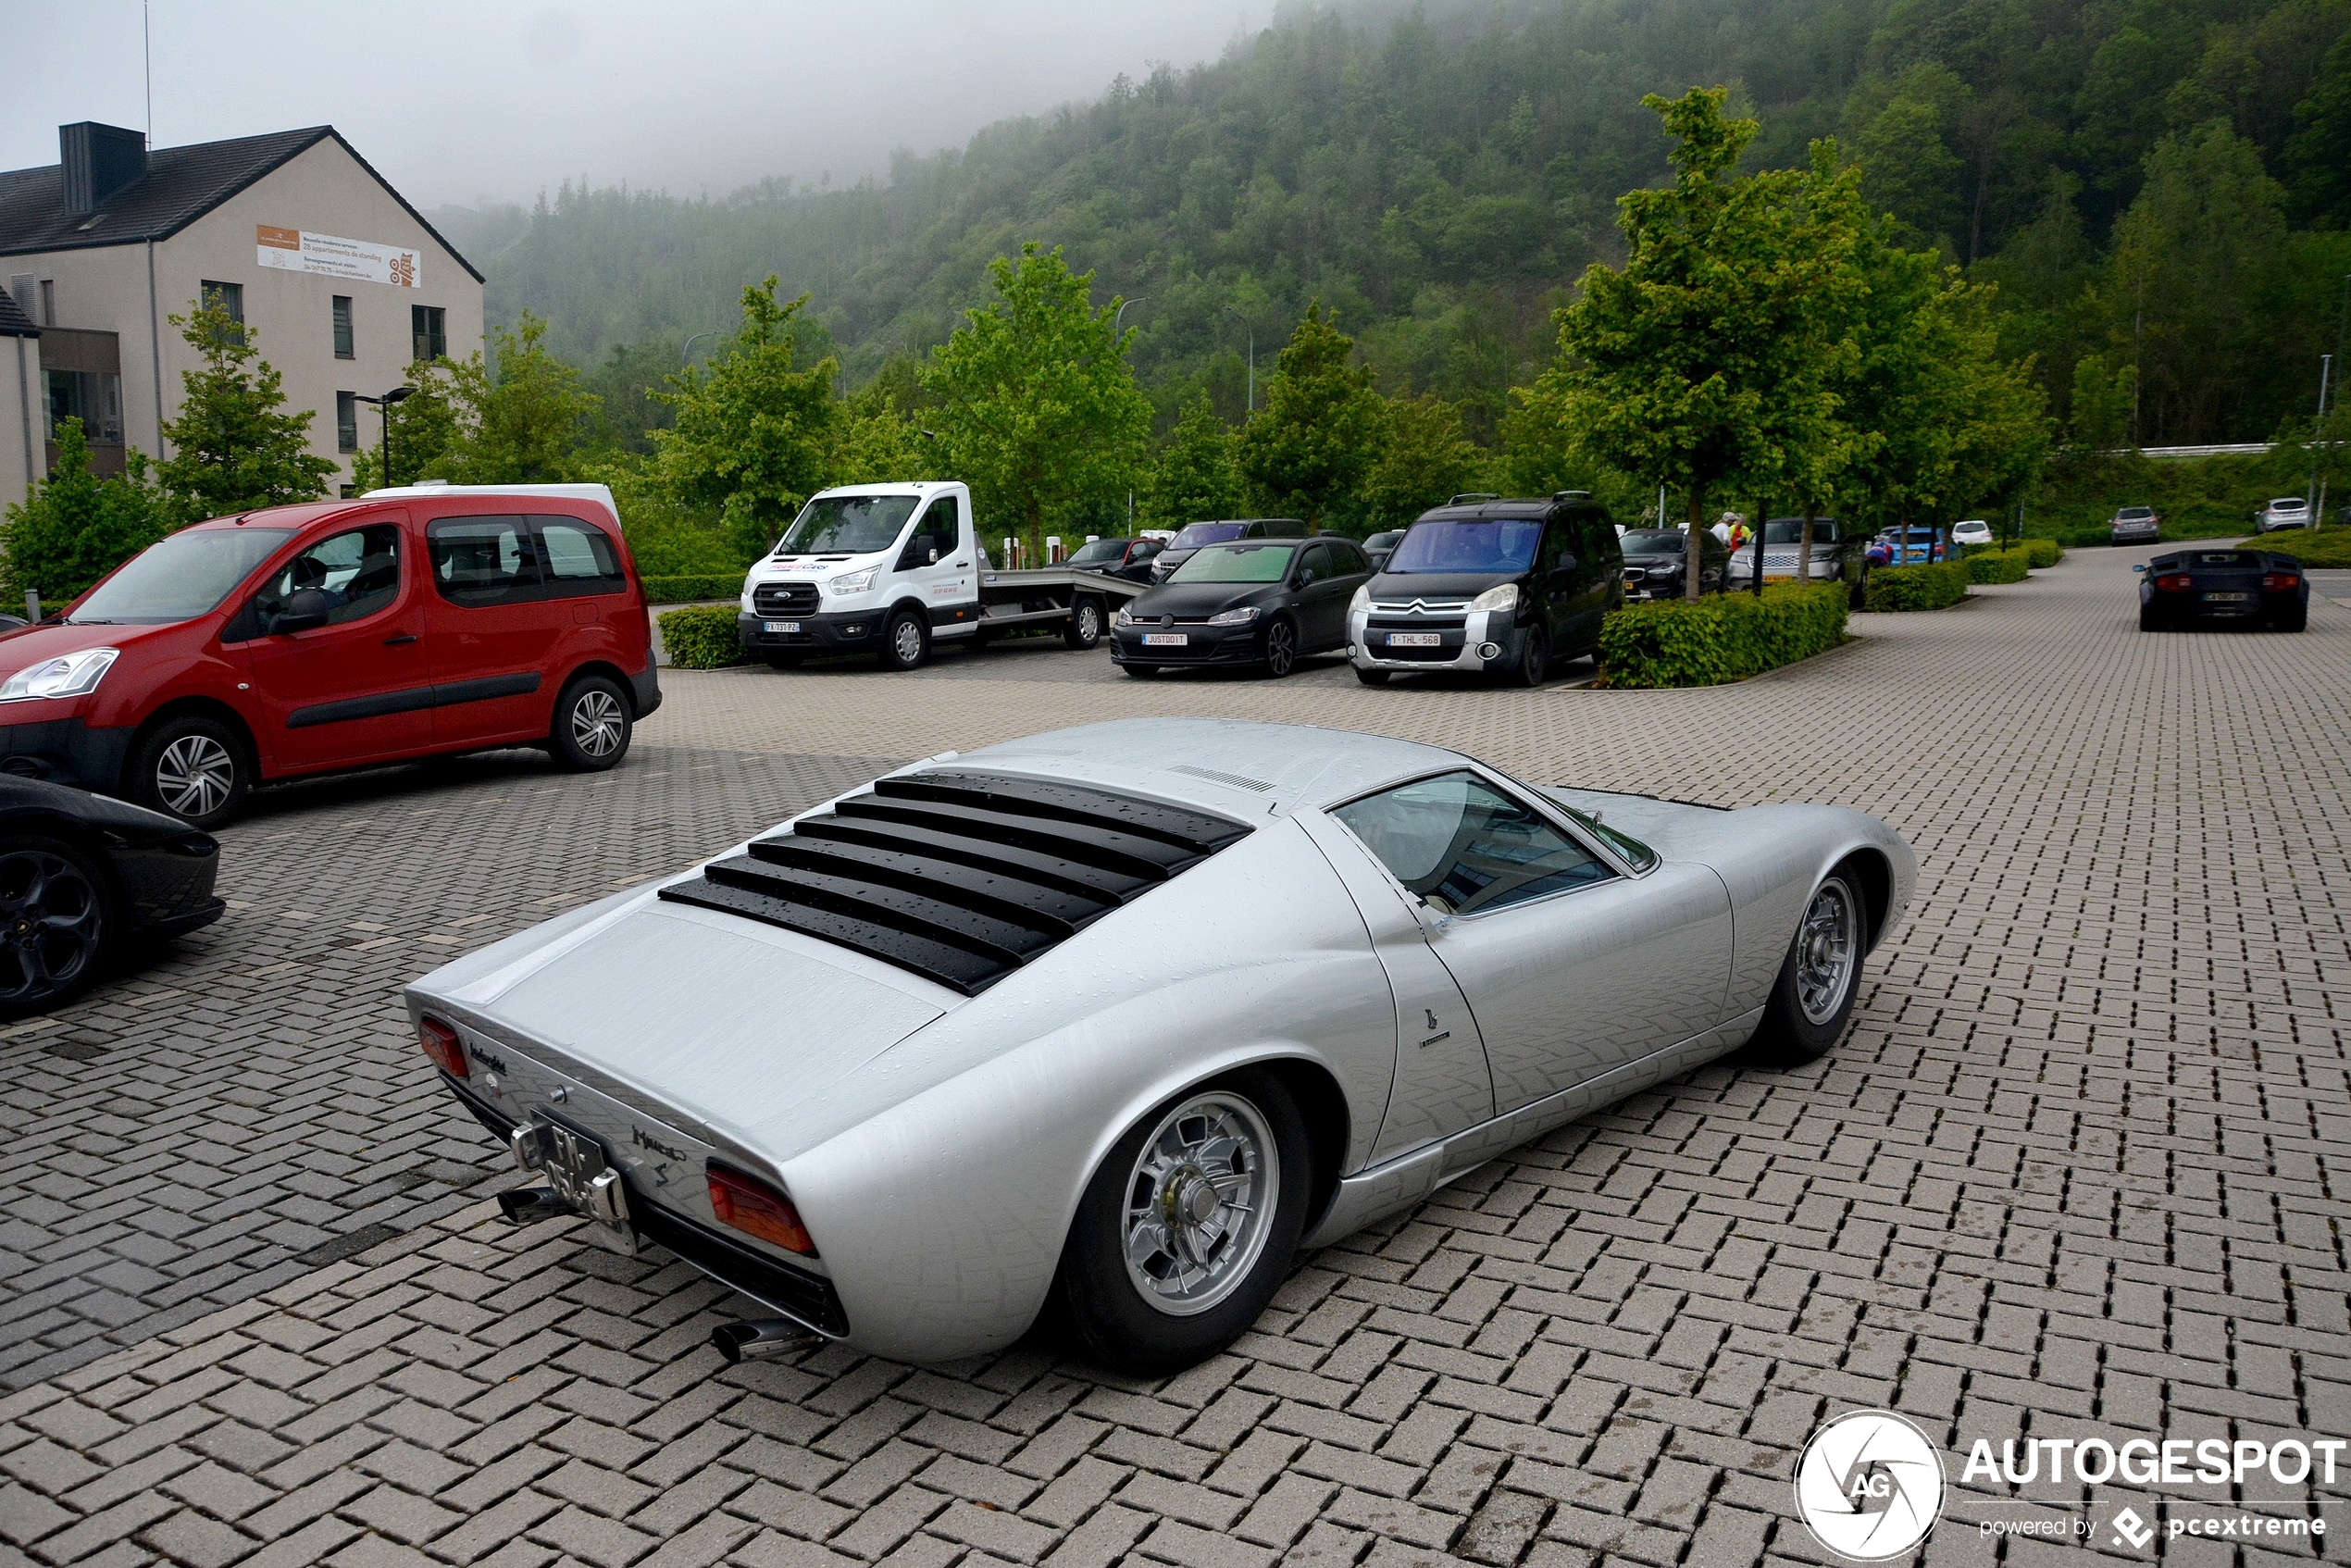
(2313,547)
(2040,552)
(1721,637)
(702,637)
(686,590)
(1996,566)
(1935,587)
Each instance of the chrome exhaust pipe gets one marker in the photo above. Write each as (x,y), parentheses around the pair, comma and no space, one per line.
(528,1205)
(762,1339)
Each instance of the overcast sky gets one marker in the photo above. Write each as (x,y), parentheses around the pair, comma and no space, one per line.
(469,100)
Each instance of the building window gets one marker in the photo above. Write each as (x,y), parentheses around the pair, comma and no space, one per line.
(94,397)
(429,323)
(229,297)
(346,421)
(342,327)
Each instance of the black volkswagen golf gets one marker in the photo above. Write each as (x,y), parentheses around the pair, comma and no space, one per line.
(2251,587)
(1253,602)
(1510,587)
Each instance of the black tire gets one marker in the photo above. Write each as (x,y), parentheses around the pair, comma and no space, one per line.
(2293,618)
(1279,655)
(58,927)
(782,661)
(1140,672)
(196,768)
(1374,676)
(905,641)
(2152,619)
(1534,660)
(592,725)
(1804,1020)
(1097,1288)
(1084,629)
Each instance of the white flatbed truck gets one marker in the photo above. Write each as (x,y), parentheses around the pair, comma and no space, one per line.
(892,570)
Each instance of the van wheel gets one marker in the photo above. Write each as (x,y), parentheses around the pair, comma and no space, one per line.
(1534,660)
(905,641)
(194,768)
(1372,677)
(592,725)
(1085,623)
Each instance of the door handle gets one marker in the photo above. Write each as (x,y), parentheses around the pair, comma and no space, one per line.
(396,642)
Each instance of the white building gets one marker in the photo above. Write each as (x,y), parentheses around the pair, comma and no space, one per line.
(340,281)
(23,459)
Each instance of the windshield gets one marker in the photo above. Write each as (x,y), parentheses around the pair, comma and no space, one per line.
(1791,531)
(1100,550)
(1487,544)
(848,525)
(1196,534)
(1651,541)
(2137,512)
(1635,853)
(1384,540)
(179,578)
(1237,563)
(2288,503)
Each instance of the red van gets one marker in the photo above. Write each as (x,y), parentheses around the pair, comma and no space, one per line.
(302,640)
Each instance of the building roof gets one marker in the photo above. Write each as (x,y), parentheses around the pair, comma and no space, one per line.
(181,184)
(14,322)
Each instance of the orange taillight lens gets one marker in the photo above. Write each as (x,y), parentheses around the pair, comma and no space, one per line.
(756,1209)
(441,1044)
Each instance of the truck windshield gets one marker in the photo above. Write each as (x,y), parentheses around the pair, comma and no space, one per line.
(1488,545)
(179,578)
(848,525)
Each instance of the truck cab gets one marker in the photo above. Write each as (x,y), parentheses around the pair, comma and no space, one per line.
(886,570)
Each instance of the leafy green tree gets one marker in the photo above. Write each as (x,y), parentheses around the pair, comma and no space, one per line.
(75,528)
(520,417)
(2318,160)
(2100,407)
(1323,427)
(233,447)
(424,426)
(1198,475)
(1909,167)
(755,428)
(1428,458)
(1038,410)
(878,446)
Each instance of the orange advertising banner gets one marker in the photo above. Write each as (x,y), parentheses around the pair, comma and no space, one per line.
(331,256)
(278,239)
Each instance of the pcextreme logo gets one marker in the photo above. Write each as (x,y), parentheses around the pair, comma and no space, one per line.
(1869,1485)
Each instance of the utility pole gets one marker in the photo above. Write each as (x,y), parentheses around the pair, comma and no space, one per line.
(2317,492)
(1237,315)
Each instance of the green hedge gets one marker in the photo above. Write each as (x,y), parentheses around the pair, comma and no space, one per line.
(1996,566)
(702,637)
(2040,552)
(1721,637)
(686,590)
(2313,547)
(1935,587)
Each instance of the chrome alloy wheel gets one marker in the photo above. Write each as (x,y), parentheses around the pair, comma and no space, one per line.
(906,640)
(1281,649)
(51,925)
(1199,1203)
(595,723)
(1828,950)
(195,775)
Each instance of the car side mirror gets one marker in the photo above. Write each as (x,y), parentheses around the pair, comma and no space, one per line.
(305,611)
(2142,566)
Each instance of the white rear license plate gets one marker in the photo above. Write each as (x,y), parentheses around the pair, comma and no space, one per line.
(783,625)
(1414,639)
(1166,640)
(2226,598)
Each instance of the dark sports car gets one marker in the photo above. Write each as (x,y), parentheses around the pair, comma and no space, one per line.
(2248,586)
(82,875)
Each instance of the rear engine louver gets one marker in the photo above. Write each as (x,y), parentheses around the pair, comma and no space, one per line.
(960,877)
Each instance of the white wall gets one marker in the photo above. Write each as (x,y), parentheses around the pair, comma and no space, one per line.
(23,462)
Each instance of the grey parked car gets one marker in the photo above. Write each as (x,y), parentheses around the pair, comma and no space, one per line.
(2135,525)
(1127,1015)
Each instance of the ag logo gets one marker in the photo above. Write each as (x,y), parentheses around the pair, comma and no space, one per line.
(1868,1486)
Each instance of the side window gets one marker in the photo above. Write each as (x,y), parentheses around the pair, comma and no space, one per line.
(1600,535)
(482,560)
(1560,541)
(1144,550)
(1350,559)
(1316,567)
(358,572)
(580,559)
(1465,847)
(939,531)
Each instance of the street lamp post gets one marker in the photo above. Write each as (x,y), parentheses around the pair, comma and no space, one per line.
(687,357)
(383,404)
(1237,315)
(1120,315)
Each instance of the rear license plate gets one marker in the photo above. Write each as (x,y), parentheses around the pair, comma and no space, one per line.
(581,1176)
(783,625)
(2226,598)
(1166,640)
(1413,639)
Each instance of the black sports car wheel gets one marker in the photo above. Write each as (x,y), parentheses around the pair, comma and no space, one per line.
(2293,618)
(1281,648)
(2150,620)
(1186,1229)
(592,725)
(1812,1000)
(194,768)
(53,924)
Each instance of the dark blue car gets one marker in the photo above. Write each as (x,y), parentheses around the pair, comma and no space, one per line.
(2248,587)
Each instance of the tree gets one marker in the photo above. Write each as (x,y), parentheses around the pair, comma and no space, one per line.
(2100,412)
(233,448)
(1704,359)
(517,418)
(424,424)
(1038,409)
(1323,424)
(755,428)
(1197,475)
(1426,460)
(75,528)
(2318,160)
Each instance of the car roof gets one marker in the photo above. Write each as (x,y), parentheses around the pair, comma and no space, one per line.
(299,516)
(1524,507)
(1235,766)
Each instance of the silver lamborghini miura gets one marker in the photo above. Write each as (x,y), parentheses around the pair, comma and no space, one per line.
(1128,1015)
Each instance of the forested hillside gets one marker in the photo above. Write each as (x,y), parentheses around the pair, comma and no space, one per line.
(2157,186)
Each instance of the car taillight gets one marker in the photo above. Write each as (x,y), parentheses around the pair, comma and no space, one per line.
(441,1044)
(756,1209)
(2278,582)
(2173,582)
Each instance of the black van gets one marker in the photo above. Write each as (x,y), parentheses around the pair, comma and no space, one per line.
(1513,587)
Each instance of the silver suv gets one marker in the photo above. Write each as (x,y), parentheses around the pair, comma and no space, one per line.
(2286,512)
(2136,525)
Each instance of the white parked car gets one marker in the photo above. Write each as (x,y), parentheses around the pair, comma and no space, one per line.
(1976,531)
(2286,512)
(1127,1015)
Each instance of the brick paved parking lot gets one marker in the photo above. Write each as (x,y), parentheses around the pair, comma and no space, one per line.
(2073,1172)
